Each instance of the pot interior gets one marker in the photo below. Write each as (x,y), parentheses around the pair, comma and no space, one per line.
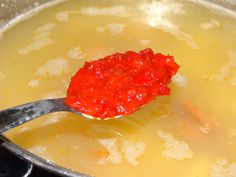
(194,127)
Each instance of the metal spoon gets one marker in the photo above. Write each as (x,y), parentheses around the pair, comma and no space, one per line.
(18,115)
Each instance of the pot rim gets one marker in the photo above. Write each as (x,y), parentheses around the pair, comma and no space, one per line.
(38,161)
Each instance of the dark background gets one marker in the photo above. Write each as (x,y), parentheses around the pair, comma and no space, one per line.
(13,166)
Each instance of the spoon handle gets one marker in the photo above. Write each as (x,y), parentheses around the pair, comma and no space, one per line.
(12,117)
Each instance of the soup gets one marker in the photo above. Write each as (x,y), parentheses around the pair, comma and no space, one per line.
(189,133)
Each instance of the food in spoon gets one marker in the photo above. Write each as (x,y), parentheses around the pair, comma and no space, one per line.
(121,83)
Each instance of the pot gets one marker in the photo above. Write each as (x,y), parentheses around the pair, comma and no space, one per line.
(11,9)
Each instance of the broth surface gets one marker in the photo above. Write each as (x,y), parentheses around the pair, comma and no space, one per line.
(190,133)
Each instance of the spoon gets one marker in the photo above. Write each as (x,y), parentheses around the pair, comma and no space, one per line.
(13,117)
(18,115)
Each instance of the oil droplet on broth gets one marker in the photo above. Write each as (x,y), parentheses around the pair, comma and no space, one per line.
(191,132)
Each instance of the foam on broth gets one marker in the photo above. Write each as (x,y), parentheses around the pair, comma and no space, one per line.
(190,133)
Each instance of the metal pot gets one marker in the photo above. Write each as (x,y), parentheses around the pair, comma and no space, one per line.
(10,9)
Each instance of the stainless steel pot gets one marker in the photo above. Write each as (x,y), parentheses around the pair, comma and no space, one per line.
(10,9)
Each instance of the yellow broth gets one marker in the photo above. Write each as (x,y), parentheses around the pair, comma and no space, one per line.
(189,133)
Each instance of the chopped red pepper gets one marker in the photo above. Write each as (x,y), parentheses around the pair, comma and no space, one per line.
(120,83)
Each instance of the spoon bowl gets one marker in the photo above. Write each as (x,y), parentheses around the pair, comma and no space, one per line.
(15,116)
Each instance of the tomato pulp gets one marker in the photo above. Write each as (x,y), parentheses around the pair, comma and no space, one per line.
(120,83)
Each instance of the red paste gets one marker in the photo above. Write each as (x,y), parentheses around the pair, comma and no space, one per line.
(120,83)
